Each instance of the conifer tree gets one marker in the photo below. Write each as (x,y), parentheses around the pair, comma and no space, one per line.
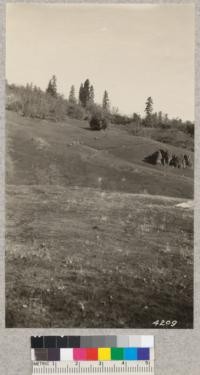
(149,106)
(106,101)
(84,93)
(72,97)
(81,94)
(52,86)
(149,112)
(91,94)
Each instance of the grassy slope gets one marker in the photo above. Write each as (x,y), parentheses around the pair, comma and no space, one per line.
(170,136)
(40,153)
(87,257)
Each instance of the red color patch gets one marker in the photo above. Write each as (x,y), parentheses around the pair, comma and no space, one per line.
(92,354)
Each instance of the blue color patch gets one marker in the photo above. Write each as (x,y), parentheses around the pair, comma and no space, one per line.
(130,354)
(143,354)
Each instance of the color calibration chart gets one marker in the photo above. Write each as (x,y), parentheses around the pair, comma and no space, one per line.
(120,354)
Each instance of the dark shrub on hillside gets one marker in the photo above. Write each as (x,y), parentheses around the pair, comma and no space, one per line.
(97,117)
(98,122)
(189,128)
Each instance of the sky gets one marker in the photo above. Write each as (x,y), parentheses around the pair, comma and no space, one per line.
(132,51)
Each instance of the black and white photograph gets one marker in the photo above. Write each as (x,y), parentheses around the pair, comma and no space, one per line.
(99,165)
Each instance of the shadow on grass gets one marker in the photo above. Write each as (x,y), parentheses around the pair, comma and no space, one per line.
(90,129)
(151,159)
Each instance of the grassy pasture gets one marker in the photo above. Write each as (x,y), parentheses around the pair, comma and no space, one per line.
(94,236)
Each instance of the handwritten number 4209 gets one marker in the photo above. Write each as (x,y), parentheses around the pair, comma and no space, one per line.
(165,323)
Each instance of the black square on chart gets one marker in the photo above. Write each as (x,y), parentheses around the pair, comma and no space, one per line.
(50,341)
(74,341)
(37,342)
(62,342)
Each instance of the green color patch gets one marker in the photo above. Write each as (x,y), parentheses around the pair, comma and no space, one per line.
(117,354)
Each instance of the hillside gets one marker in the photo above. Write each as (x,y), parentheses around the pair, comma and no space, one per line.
(171,136)
(95,236)
(70,154)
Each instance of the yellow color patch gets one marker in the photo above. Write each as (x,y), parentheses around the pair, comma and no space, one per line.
(104,354)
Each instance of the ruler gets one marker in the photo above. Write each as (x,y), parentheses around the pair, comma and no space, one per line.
(93,367)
